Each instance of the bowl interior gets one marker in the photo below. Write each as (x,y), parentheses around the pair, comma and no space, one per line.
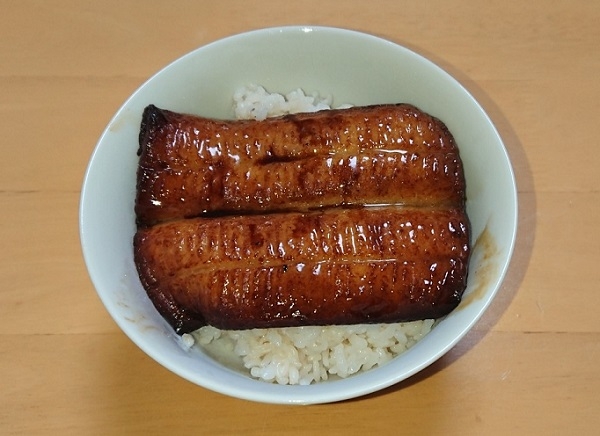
(352,67)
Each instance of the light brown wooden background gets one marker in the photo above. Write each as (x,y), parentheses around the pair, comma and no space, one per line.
(531,365)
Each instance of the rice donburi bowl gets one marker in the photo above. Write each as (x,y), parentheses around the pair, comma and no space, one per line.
(206,75)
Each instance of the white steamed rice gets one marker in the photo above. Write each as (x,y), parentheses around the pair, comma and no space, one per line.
(302,355)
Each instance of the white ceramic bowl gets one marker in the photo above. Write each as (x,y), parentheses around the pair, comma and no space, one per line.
(353,67)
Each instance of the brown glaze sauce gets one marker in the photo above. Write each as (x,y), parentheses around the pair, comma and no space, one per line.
(484,257)
(376,231)
(191,166)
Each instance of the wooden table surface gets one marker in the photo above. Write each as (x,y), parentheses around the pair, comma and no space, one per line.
(530,366)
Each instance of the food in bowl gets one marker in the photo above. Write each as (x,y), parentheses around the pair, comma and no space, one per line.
(305,355)
(353,216)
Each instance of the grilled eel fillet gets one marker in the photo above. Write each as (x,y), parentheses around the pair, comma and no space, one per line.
(337,217)
(391,154)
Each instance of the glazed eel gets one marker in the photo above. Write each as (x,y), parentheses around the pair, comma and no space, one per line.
(336,217)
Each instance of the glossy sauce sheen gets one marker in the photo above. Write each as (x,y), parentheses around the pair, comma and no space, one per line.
(339,217)
(392,154)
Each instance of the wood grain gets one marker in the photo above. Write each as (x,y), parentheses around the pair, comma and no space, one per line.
(528,367)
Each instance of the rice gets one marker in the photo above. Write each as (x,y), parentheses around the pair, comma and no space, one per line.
(255,102)
(302,355)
